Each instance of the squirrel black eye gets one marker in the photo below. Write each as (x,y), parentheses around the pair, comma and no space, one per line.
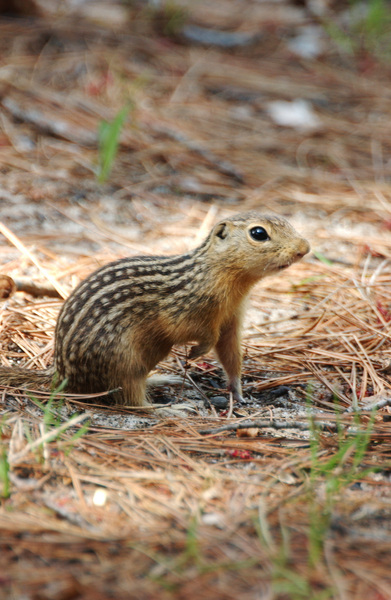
(259,234)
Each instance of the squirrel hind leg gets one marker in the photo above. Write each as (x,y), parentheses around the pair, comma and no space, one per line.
(134,392)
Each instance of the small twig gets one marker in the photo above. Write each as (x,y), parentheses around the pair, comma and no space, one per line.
(369,407)
(223,166)
(44,123)
(268,424)
(28,484)
(193,383)
(220,39)
(29,287)
(231,405)
(22,248)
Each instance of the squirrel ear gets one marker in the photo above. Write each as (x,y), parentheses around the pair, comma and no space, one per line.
(222,230)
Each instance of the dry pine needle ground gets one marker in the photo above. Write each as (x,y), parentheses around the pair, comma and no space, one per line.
(140,507)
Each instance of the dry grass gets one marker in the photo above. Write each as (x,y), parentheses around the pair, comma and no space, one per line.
(187,513)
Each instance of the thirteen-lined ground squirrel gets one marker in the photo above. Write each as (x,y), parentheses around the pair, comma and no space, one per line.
(125,317)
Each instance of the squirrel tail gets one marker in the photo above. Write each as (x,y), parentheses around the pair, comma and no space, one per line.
(20,378)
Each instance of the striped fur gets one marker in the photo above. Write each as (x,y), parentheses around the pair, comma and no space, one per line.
(125,317)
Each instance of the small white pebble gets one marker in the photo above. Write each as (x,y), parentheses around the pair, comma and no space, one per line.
(215,519)
(298,114)
(100,497)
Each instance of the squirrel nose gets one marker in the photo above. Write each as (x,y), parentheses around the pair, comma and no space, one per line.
(303,249)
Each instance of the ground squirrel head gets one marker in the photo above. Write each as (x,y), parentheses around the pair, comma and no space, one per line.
(257,244)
